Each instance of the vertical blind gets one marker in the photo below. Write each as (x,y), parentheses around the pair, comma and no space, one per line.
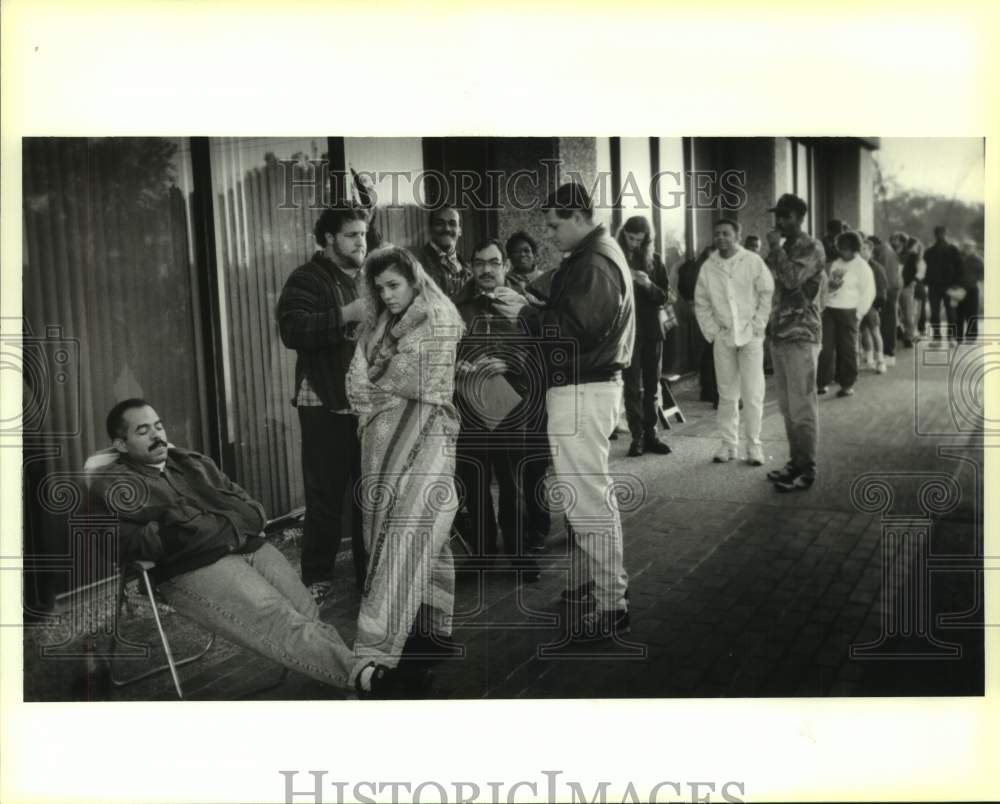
(109,304)
(262,234)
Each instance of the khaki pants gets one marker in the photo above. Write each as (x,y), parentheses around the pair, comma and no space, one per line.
(581,417)
(795,383)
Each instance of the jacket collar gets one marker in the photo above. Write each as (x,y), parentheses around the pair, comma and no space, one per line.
(588,240)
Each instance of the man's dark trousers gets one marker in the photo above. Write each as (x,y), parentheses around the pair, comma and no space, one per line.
(938,296)
(642,379)
(838,361)
(331,466)
(889,322)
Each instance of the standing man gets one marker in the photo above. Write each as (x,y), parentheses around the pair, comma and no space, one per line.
(944,269)
(317,316)
(489,446)
(590,304)
(888,316)
(799,270)
(732,301)
(752,243)
(440,256)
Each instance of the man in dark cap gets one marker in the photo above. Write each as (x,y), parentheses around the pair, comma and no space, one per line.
(799,269)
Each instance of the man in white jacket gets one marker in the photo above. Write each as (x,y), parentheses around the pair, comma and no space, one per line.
(732,301)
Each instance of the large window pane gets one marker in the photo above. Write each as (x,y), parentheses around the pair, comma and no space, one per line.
(395,164)
(263,231)
(111,306)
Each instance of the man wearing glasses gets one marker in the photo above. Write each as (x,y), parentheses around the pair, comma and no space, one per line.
(497,401)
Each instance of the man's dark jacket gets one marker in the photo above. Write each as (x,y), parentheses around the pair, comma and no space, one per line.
(188,515)
(587,325)
(309,321)
(944,265)
(451,282)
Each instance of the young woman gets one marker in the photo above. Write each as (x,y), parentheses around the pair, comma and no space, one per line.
(642,378)
(851,294)
(400,384)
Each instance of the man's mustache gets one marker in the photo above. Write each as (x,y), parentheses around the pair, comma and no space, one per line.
(159,442)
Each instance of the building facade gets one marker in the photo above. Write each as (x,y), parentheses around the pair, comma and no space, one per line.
(152,267)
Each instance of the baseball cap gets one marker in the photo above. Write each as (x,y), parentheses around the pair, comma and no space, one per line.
(790,203)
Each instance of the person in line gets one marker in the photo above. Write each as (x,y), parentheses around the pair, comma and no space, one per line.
(401,384)
(752,243)
(851,294)
(970,281)
(522,255)
(205,535)
(732,301)
(944,269)
(439,255)
(318,312)
(591,303)
(798,266)
(872,344)
(889,313)
(642,377)
(491,365)
(911,255)
(687,281)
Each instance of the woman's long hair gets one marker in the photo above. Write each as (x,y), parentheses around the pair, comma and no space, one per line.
(386,257)
(642,260)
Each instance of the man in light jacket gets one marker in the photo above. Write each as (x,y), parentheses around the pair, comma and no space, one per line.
(732,301)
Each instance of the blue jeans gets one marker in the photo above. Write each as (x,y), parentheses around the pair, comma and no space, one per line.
(257,600)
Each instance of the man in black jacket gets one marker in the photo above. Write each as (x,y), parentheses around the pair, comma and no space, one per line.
(587,329)
(944,269)
(205,534)
(498,405)
(317,315)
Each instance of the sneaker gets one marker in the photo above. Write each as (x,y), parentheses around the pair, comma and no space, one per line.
(320,590)
(880,367)
(848,391)
(581,594)
(785,473)
(653,444)
(797,483)
(725,454)
(635,448)
(821,390)
(890,360)
(598,625)
(755,455)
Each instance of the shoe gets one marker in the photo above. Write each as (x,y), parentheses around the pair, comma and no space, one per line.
(880,367)
(890,361)
(598,625)
(797,483)
(725,454)
(849,391)
(320,590)
(635,448)
(653,444)
(907,343)
(755,455)
(538,548)
(613,436)
(785,473)
(581,594)
(385,684)
(821,390)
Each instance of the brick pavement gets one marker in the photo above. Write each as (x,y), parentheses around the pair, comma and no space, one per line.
(736,590)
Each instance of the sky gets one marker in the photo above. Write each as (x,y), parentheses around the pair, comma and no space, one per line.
(952,167)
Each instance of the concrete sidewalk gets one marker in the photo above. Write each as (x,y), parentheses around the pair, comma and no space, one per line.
(737,590)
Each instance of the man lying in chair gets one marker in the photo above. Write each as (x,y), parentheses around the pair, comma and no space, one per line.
(205,535)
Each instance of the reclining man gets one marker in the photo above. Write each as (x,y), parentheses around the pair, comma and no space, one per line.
(205,534)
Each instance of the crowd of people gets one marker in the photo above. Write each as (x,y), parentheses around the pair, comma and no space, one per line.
(422,378)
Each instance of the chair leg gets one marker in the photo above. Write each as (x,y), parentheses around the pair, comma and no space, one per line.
(171,664)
